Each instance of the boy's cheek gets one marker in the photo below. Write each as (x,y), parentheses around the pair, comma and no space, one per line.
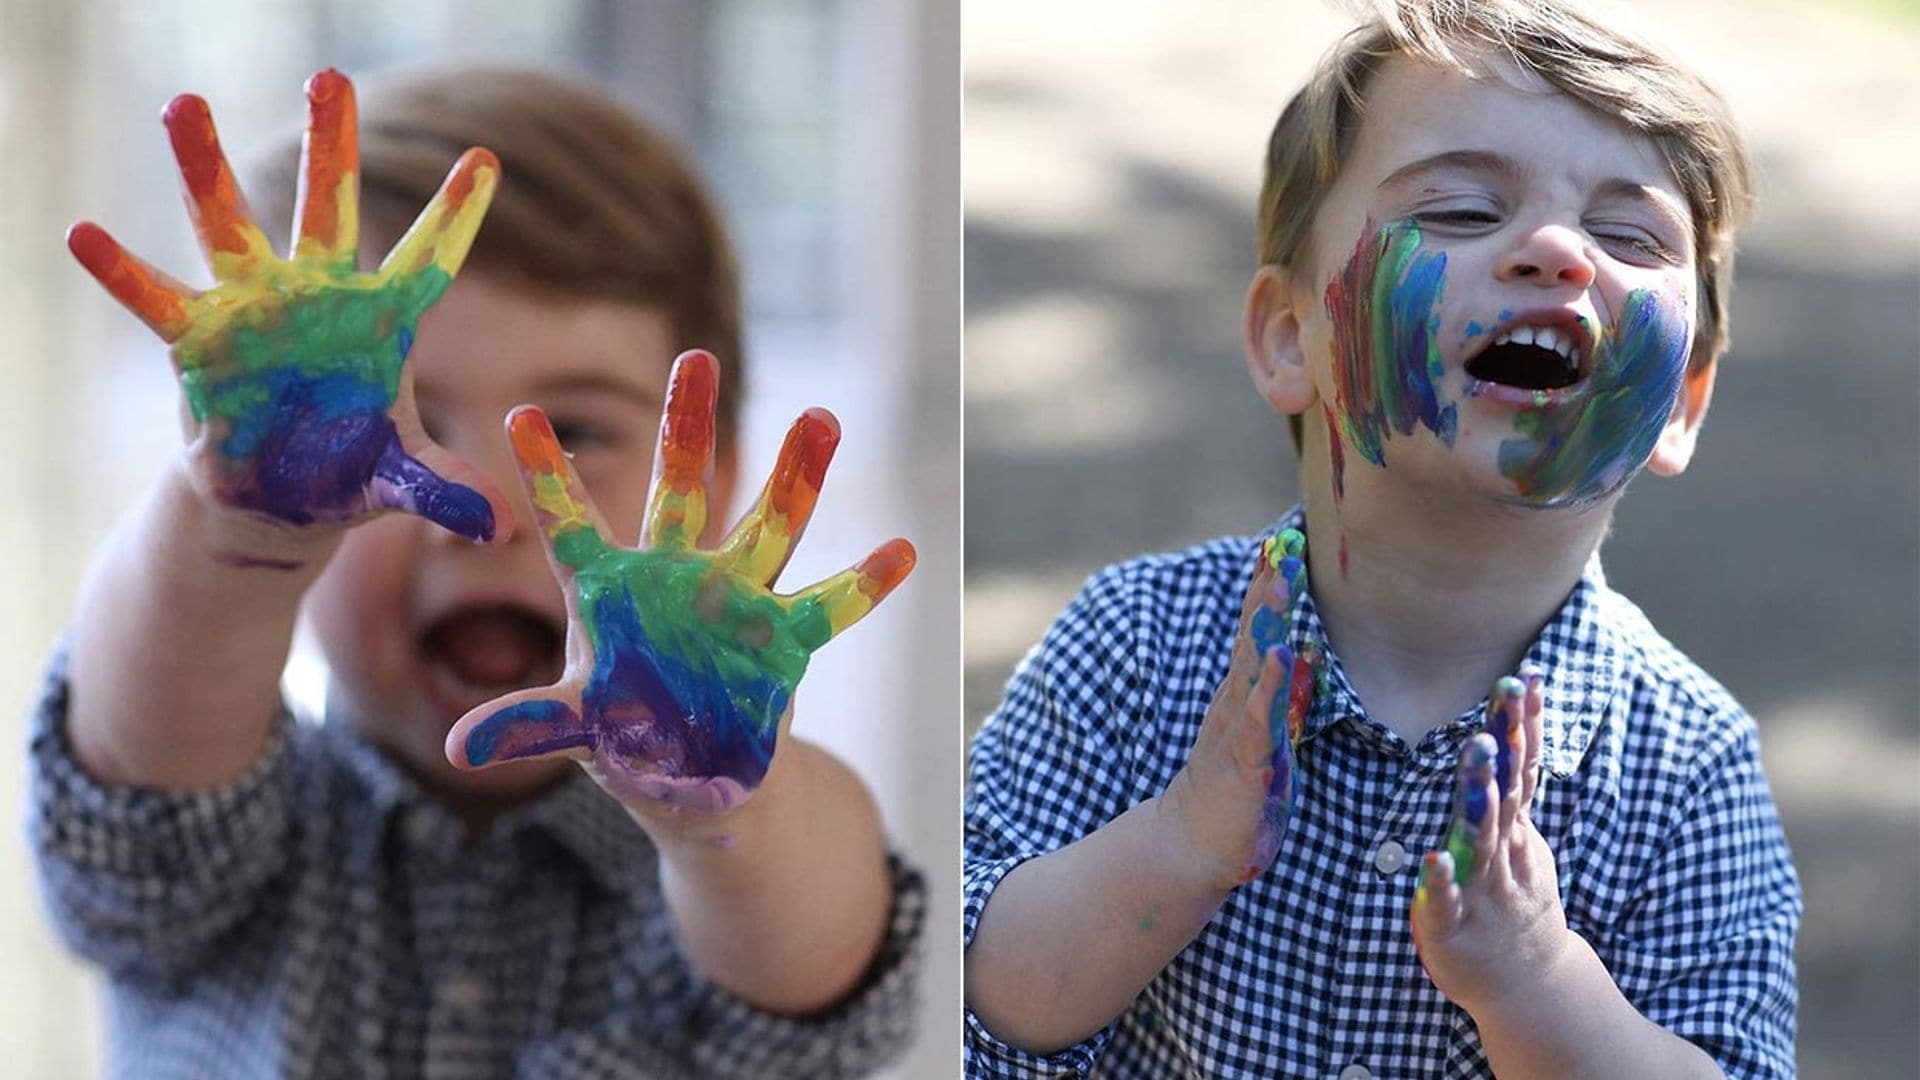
(357,608)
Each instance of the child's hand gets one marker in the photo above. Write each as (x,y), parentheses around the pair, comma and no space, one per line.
(680,662)
(1487,915)
(301,409)
(1236,791)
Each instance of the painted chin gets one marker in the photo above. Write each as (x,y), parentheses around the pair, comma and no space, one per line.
(1519,398)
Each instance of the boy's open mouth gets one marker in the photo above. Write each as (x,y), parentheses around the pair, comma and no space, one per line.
(475,654)
(1533,356)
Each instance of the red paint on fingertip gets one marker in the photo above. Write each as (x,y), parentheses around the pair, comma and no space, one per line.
(332,152)
(687,431)
(534,442)
(887,567)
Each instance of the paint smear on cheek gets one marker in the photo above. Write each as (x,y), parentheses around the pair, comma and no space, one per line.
(1588,448)
(1386,352)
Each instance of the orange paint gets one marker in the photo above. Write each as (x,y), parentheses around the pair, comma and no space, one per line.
(687,433)
(333,153)
(887,567)
(459,184)
(131,281)
(534,442)
(213,198)
(794,487)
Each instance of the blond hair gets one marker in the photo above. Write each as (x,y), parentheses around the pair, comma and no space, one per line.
(592,203)
(1604,67)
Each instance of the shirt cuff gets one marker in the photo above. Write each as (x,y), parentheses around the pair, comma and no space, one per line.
(986,1055)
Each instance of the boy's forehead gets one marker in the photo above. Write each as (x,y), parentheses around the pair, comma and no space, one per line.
(1416,111)
(489,336)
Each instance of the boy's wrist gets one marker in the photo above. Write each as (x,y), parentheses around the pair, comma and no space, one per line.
(680,832)
(1186,858)
(247,540)
(1544,993)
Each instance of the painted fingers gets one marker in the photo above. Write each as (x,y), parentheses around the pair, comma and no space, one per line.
(1493,789)
(847,597)
(327,222)
(435,247)
(234,245)
(683,461)
(153,297)
(531,723)
(569,524)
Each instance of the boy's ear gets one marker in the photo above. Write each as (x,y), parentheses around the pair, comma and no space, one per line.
(1270,333)
(1675,448)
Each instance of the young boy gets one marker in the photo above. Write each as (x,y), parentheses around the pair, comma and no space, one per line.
(358,898)
(1497,241)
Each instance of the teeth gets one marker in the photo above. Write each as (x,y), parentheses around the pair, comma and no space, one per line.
(1545,337)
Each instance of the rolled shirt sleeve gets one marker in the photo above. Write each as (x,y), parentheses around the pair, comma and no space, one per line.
(1706,948)
(725,1038)
(1053,764)
(144,881)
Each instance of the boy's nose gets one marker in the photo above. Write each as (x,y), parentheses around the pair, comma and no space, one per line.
(1550,255)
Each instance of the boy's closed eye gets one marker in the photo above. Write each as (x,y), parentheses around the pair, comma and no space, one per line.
(579,434)
(1627,240)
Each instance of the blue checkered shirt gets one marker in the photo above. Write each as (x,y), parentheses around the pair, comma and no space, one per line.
(1671,858)
(320,918)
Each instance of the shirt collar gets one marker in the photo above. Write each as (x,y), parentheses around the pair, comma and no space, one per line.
(580,820)
(1580,650)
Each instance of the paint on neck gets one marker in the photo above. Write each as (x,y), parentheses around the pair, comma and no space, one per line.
(1386,341)
(1588,448)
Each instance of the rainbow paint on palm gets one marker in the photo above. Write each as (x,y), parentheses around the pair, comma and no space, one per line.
(1587,448)
(1285,554)
(694,659)
(292,365)
(1386,342)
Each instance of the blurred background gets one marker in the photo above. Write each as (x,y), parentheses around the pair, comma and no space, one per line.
(829,128)
(1113,156)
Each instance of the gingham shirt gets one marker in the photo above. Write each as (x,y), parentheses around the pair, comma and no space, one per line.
(319,918)
(1671,858)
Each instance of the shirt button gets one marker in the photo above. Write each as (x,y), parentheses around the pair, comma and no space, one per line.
(418,826)
(1356,1072)
(1388,858)
(463,993)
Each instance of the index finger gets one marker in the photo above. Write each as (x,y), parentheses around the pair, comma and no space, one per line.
(569,524)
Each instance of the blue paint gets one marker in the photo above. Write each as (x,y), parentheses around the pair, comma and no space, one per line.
(1588,447)
(529,727)
(1416,329)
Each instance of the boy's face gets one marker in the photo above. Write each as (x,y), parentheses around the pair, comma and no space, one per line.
(418,625)
(1497,297)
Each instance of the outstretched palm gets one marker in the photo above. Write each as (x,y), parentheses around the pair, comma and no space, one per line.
(681,661)
(294,368)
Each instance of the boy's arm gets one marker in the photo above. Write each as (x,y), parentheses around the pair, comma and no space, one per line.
(682,665)
(182,629)
(1707,961)
(159,808)
(1078,891)
(784,900)
(300,421)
